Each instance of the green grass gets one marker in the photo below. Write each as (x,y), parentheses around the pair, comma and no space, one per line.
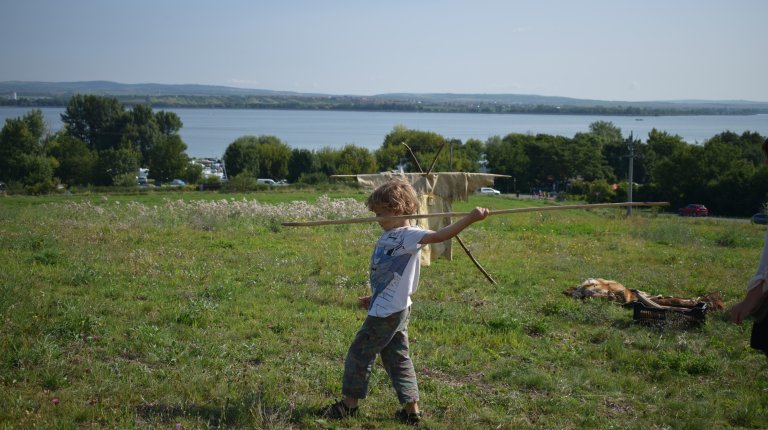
(148,310)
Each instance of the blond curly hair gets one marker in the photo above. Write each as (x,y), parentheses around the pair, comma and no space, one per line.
(396,195)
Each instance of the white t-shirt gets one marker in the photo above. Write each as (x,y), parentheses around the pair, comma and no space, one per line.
(395,270)
(762,268)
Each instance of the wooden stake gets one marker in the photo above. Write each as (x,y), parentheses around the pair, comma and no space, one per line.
(434,160)
(461,214)
(416,160)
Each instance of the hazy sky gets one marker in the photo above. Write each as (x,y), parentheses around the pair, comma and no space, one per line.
(629,50)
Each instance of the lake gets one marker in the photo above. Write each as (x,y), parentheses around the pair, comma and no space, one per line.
(208,132)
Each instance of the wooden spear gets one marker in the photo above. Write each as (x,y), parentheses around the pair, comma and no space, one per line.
(460,214)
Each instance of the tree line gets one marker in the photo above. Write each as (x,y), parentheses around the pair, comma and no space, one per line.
(268,157)
(101,143)
(726,172)
(104,143)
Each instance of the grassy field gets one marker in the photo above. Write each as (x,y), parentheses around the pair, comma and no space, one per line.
(198,310)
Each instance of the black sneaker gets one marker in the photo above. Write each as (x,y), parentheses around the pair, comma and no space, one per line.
(407,418)
(337,411)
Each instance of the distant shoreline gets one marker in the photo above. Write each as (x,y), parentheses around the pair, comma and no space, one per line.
(198,102)
(164,96)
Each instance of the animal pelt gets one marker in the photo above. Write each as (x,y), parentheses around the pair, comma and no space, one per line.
(599,287)
(614,291)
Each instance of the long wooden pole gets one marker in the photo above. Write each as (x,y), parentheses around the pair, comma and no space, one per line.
(461,214)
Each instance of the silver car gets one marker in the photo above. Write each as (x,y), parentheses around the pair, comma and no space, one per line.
(488,190)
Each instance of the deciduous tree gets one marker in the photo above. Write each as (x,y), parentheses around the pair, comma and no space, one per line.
(354,160)
(94,120)
(261,157)
(424,145)
(115,162)
(303,161)
(76,162)
(168,159)
(22,152)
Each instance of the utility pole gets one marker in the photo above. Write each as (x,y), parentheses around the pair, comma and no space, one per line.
(631,147)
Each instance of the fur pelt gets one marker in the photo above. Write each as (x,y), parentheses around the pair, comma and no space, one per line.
(614,291)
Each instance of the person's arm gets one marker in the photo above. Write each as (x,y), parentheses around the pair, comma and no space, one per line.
(752,300)
(757,288)
(452,230)
(365,302)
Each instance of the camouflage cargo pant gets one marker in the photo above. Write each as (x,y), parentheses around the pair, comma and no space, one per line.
(388,337)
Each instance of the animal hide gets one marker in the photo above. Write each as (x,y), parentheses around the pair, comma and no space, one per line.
(603,288)
(614,291)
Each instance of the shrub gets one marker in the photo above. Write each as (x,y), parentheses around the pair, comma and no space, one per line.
(313,178)
(45,187)
(126,180)
(578,187)
(242,183)
(600,191)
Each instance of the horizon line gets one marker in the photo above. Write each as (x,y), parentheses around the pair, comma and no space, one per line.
(403,93)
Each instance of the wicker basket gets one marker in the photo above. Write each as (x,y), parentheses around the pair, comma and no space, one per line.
(669,316)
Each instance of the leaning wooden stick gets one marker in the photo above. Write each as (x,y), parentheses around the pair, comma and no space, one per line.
(416,160)
(460,214)
(434,160)
(474,260)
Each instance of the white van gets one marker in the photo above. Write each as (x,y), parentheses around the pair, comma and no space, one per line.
(265,181)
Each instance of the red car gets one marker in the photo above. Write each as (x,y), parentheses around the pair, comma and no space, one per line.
(693,210)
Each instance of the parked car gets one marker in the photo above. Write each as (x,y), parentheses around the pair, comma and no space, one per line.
(265,181)
(693,209)
(489,191)
(760,218)
(177,183)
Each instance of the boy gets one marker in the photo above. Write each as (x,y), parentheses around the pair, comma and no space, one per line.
(394,276)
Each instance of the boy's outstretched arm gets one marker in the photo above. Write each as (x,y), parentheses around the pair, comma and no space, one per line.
(447,232)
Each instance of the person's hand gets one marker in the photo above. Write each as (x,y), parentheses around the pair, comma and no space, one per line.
(479,214)
(740,311)
(365,301)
